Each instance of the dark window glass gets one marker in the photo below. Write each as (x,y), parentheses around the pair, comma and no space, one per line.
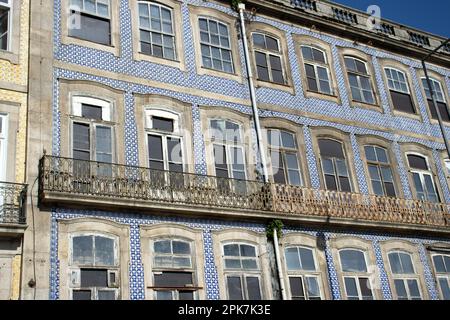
(352,261)
(92,28)
(417,162)
(155,152)
(162,124)
(220,161)
(254,292)
(173,279)
(364,285)
(234,288)
(94,278)
(81,295)
(106,295)
(402,102)
(330,148)
(442,110)
(91,112)
(186,295)
(296,285)
(4,24)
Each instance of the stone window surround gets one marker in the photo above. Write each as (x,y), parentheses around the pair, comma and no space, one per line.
(339,136)
(13,52)
(432,250)
(389,63)
(367,59)
(10,261)
(113,48)
(417,149)
(70,89)
(221,237)
(444,157)
(258,27)
(175,6)
(365,140)
(350,242)
(412,249)
(182,109)
(208,113)
(308,241)
(441,79)
(304,40)
(93,226)
(11,110)
(173,231)
(194,14)
(286,125)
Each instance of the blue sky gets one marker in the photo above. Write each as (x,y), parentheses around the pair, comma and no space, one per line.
(430,15)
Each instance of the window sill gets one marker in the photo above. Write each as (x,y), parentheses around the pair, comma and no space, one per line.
(436,122)
(111,48)
(9,56)
(322,96)
(364,105)
(277,86)
(139,56)
(414,116)
(220,74)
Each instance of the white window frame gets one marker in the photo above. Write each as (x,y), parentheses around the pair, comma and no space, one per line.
(316,64)
(8,5)
(335,167)
(3,146)
(356,274)
(440,275)
(434,83)
(358,79)
(379,165)
(95,14)
(408,91)
(268,53)
(77,101)
(421,174)
(405,276)
(304,273)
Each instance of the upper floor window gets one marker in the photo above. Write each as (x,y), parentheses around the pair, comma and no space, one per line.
(317,70)
(173,273)
(242,272)
(380,171)
(284,157)
(3,142)
(399,89)
(268,58)
(334,165)
(359,79)
(94,267)
(215,45)
(441,264)
(405,278)
(440,98)
(95,20)
(355,274)
(304,278)
(156,32)
(5,23)
(422,178)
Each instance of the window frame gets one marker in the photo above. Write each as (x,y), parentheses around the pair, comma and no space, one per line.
(316,65)
(378,164)
(439,275)
(434,79)
(421,174)
(405,277)
(267,53)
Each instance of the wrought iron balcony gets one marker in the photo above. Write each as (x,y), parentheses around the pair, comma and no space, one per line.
(12,203)
(90,182)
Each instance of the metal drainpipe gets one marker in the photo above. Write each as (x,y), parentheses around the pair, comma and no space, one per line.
(261,148)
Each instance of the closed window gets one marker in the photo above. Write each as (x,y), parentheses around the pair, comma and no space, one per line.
(268,58)
(334,165)
(3,145)
(399,90)
(95,20)
(317,70)
(284,157)
(94,267)
(441,264)
(422,178)
(359,79)
(215,45)
(405,279)
(5,24)
(173,270)
(440,99)
(380,171)
(355,274)
(242,272)
(304,278)
(156,31)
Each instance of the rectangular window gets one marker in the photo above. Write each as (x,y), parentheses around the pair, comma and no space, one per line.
(399,89)
(316,68)
(268,58)
(3,146)
(5,22)
(440,99)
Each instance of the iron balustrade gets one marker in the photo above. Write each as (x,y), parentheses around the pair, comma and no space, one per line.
(85,179)
(12,203)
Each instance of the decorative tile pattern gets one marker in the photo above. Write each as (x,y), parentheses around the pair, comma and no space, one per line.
(359,166)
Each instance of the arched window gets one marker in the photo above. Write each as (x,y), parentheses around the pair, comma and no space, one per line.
(215,45)
(399,89)
(317,70)
(405,278)
(441,264)
(380,171)
(334,165)
(284,157)
(440,98)
(94,267)
(355,274)
(156,30)
(242,271)
(304,278)
(422,178)
(268,58)
(359,79)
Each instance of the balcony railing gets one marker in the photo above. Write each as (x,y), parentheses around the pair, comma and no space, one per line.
(86,180)
(12,203)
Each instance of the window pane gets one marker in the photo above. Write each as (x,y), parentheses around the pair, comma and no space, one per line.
(164,295)
(350,63)
(417,162)
(330,182)
(94,278)
(155,147)
(233,264)
(173,279)
(106,295)
(318,55)
(287,139)
(83,252)
(407,266)
(181,247)
(373,173)
(253,290)
(394,261)
(402,102)
(445,289)
(292,259)
(162,124)
(350,288)
(364,286)
(307,259)
(328,167)
(330,148)
(377,188)
(413,289)
(93,29)
(258,40)
(234,288)
(162,246)
(91,112)
(247,251)
(81,294)
(81,138)
(307,53)
(249,264)
(291,160)
(386,173)
(400,289)
(370,153)
(361,67)
(344,182)
(381,155)
(103,140)
(180,262)
(174,150)
(313,287)
(296,285)
(272,43)
(231,250)
(104,251)
(341,168)
(439,263)
(353,261)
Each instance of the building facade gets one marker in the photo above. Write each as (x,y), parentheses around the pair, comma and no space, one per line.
(14,53)
(149,176)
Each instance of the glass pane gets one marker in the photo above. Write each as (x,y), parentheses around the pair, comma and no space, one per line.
(292,259)
(400,289)
(394,261)
(173,279)
(186,295)
(174,150)
(439,263)
(407,266)
(233,264)
(274,137)
(350,288)
(163,261)
(180,262)
(330,182)
(330,148)
(258,40)
(272,43)
(162,124)
(417,183)
(296,285)
(94,278)
(310,72)
(81,294)
(307,53)
(370,153)
(312,287)
(350,63)
(318,55)
(356,94)
(253,290)
(249,264)
(162,246)
(155,147)
(386,173)
(381,155)
(91,112)
(390,190)
(328,167)
(234,288)
(232,131)
(341,168)
(353,261)
(307,259)
(344,182)
(81,137)
(445,289)
(291,160)
(287,139)
(377,188)
(231,250)
(413,289)
(366,292)
(83,251)
(164,295)
(247,251)
(361,67)
(103,140)
(181,247)
(104,251)
(106,295)
(374,173)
